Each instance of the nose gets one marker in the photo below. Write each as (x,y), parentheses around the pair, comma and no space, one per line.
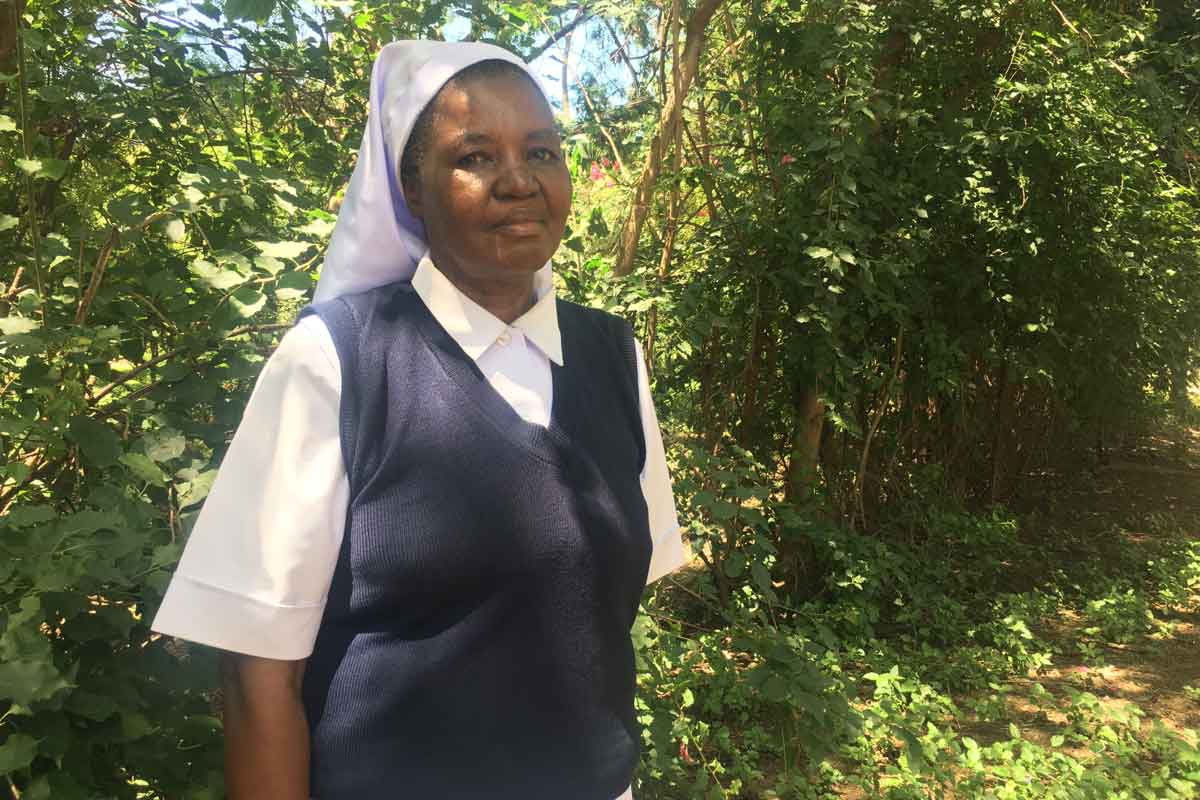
(516,179)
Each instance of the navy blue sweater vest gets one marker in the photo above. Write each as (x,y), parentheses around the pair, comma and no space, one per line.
(476,639)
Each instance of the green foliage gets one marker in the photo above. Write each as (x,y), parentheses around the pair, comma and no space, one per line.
(903,258)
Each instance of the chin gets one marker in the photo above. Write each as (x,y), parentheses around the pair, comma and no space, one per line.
(524,259)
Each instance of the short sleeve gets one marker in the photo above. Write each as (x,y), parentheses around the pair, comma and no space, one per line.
(669,552)
(258,564)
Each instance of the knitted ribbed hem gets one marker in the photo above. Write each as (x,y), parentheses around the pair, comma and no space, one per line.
(209,615)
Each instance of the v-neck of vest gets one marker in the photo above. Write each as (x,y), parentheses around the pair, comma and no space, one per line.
(545,443)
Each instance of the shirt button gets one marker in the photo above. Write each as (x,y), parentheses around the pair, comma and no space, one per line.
(503,339)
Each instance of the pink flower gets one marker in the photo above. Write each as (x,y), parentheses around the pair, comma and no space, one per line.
(608,182)
(606,163)
(596,173)
(788,158)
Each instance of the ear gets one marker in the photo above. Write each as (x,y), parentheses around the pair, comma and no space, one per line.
(412,198)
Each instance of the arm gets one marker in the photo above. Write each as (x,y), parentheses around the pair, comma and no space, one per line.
(669,552)
(266,733)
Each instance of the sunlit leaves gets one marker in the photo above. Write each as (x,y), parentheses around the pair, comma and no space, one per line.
(174,229)
(194,486)
(293,285)
(143,468)
(215,277)
(164,445)
(48,168)
(247,301)
(11,325)
(288,250)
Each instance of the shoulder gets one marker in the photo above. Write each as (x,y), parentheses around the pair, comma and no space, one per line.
(360,306)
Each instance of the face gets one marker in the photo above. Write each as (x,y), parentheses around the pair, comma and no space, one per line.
(493,190)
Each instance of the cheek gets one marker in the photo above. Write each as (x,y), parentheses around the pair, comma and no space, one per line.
(464,199)
(558,193)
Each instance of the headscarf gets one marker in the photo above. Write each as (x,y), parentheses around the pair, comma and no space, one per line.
(376,239)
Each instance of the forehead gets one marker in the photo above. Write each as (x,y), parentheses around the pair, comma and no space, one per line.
(505,103)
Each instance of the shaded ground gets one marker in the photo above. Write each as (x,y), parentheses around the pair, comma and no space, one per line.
(1143,492)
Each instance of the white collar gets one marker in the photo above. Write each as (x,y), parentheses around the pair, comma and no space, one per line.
(475,328)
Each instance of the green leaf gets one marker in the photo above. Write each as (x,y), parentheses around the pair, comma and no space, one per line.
(257,10)
(846,256)
(135,725)
(762,578)
(247,301)
(215,277)
(268,264)
(174,229)
(290,250)
(165,444)
(818,252)
(13,325)
(25,516)
(317,227)
(723,510)
(775,688)
(88,521)
(96,707)
(143,468)
(293,285)
(195,490)
(24,681)
(17,753)
(51,168)
(8,221)
(7,123)
(52,94)
(99,443)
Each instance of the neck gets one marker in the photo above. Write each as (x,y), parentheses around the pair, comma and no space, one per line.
(506,297)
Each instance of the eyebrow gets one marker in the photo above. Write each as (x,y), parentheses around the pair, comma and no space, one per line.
(475,137)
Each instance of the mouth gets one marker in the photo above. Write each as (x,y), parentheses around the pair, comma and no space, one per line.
(521,226)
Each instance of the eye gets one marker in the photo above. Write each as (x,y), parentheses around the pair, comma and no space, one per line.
(543,154)
(472,159)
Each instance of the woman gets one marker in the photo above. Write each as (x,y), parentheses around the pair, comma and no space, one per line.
(427,543)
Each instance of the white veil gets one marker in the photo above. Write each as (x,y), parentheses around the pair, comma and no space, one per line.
(377,240)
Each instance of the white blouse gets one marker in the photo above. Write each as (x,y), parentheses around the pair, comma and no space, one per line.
(258,563)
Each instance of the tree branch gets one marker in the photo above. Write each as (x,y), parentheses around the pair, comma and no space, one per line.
(669,120)
(554,39)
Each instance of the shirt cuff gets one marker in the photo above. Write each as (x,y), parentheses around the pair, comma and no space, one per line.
(209,615)
(670,553)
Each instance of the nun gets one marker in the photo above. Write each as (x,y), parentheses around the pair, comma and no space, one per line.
(426,545)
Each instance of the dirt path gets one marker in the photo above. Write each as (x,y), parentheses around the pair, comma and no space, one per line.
(1143,491)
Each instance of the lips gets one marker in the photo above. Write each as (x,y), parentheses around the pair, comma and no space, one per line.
(522,225)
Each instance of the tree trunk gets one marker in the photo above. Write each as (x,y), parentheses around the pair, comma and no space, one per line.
(668,121)
(809,423)
(566,76)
